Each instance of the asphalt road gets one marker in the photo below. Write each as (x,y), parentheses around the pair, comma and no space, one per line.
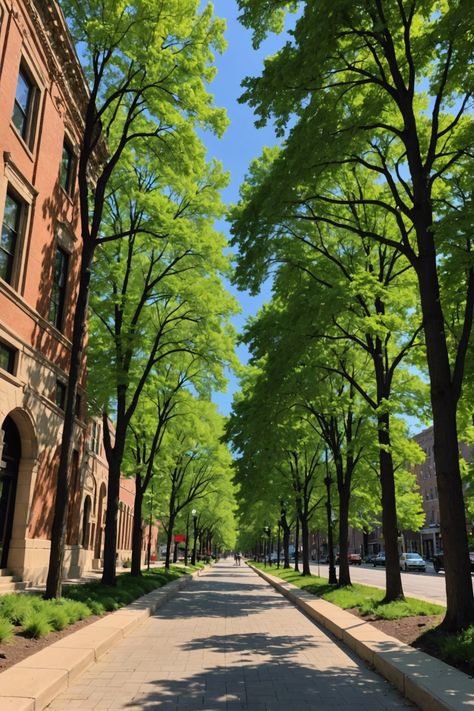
(426,586)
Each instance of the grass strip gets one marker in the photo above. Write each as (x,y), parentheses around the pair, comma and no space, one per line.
(366,599)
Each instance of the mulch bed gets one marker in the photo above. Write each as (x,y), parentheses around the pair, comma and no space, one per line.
(21,647)
(411,630)
(406,629)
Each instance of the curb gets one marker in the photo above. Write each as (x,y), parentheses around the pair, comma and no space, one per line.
(34,682)
(430,683)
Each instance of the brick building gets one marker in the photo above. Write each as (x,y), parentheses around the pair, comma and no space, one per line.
(42,92)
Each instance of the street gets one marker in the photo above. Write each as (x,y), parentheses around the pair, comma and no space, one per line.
(428,586)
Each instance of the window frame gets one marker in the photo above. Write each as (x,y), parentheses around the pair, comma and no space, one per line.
(10,194)
(68,186)
(28,131)
(59,288)
(61,389)
(11,353)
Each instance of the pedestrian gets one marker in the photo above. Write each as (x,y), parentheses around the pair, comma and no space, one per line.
(238,558)
(235,558)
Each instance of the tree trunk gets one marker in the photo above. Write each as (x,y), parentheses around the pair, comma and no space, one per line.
(393,580)
(459,596)
(344,572)
(186,542)
(169,541)
(110,542)
(332,578)
(286,542)
(58,530)
(297,542)
(137,533)
(305,541)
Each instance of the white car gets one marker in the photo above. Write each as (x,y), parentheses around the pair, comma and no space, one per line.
(412,561)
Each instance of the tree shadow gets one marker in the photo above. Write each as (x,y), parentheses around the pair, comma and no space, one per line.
(281,679)
(221,602)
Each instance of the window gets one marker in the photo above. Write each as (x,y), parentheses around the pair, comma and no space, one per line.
(24,106)
(66,178)
(95,437)
(10,232)
(78,406)
(7,358)
(60,395)
(85,522)
(58,294)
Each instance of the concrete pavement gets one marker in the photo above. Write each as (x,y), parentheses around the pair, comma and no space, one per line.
(229,641)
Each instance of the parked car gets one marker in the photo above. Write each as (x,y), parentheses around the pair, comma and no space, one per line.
(370,558)
(438,561)
(354,559)
(412,561)
(379,559)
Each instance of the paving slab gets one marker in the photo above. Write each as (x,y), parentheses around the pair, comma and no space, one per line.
(229,641)
(430,683)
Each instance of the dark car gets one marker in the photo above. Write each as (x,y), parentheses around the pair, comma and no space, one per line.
(370,558)
(438,561)
(379,559)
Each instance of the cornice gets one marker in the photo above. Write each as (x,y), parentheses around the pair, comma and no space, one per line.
(62,62)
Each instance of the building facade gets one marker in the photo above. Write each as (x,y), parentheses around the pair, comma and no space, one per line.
(42,96)
(41,92)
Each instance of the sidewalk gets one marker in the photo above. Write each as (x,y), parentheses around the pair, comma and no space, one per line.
(229,641)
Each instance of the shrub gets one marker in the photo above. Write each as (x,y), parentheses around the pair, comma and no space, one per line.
(95,606)
(458,649)
(76,610)
(6,630)
(110,603)
(56,614)
(37,624)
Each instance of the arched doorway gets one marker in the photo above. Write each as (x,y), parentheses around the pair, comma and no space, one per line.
(8,482)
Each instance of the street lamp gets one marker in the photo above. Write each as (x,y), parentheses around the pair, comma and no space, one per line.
(194,515)
(267,530)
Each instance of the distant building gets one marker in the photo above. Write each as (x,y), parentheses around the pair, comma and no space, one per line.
(430,535)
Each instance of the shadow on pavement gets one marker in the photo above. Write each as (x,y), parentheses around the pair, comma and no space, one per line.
(281,681)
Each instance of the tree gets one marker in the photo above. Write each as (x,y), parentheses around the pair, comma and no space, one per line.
(147,311)
(142,88)
(194,462)
(385,89)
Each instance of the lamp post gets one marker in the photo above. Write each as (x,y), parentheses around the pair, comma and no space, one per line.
(194,515)
(327,482)
(268,531)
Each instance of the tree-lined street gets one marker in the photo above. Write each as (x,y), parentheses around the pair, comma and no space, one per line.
(318,266)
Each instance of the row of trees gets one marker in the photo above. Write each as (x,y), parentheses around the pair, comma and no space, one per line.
(151,262)
(364,216)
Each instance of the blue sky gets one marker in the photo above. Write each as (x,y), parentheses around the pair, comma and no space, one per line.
(242,141)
